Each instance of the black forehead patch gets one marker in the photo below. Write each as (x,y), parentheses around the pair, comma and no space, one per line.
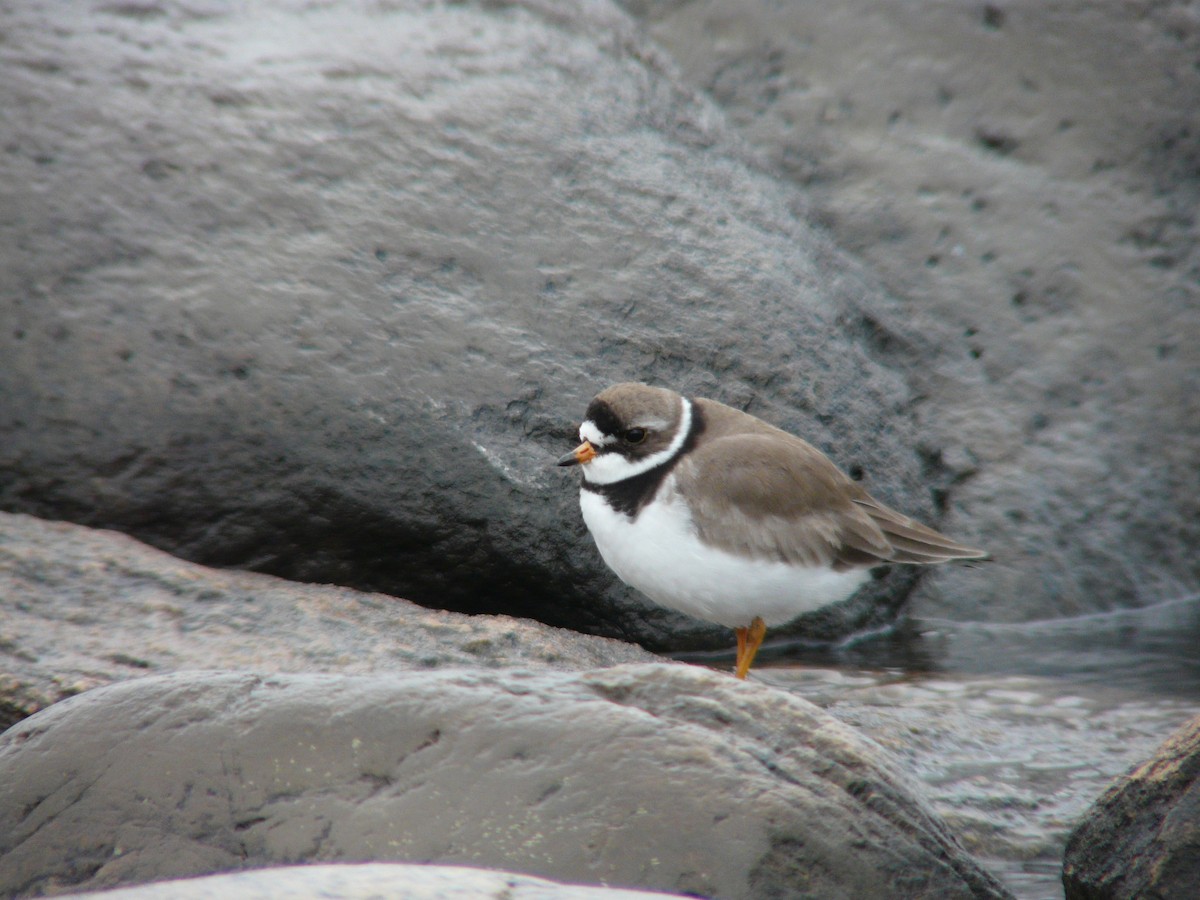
(601,414)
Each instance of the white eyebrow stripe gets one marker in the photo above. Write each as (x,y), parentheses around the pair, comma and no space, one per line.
(609,468)
(590,433)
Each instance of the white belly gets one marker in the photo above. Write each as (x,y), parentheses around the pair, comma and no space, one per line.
(659,554)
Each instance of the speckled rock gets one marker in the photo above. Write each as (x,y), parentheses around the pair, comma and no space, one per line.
(664,777)
(1141,839)
(1025,173)
(80,608)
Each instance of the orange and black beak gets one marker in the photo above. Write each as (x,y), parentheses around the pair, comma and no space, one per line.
(584,453)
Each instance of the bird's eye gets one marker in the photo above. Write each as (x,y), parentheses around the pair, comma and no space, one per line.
(635,435)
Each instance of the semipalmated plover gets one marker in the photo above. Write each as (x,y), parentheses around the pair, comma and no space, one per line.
(710,511)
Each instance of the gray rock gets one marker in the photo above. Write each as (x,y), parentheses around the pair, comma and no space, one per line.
(1140,839)
(81,608)
(323,289)
(369,881)
(665,777)
(1024,173)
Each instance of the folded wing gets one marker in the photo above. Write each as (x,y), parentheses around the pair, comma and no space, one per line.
(784,500)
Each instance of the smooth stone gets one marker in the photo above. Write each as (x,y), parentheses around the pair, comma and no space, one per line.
(369,881)
(655,776)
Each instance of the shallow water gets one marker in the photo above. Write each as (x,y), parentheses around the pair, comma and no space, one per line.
(1014,730)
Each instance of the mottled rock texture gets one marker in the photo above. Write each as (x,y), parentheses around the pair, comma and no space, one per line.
(1027,174)
(1141,839)
(665,777)
(81,608)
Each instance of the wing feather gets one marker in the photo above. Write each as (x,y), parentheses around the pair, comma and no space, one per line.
(773,496)
(914,542)
(766,498)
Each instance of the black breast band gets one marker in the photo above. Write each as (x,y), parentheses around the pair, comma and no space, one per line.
(631,495)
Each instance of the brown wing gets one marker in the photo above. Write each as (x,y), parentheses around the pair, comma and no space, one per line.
(911,541)
(771,498)
(782,499)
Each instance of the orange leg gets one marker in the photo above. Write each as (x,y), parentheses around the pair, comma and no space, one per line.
(749,640)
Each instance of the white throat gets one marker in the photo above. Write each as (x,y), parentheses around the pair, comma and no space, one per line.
(609,468)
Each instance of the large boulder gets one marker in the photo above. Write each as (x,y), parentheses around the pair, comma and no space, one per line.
(1141,839)
(322,289)
(666,777)
(1025,173)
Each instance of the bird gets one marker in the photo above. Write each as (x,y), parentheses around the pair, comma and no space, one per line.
(715,513)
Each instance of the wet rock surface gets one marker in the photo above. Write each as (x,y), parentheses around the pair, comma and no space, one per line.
(287,296)
(81,608)
(658,776)
(1013,763)
(323,290)
(368,881)
(1010,761)
(1142,837)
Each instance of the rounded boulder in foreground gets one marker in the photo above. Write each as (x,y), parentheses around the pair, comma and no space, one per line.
(649,776)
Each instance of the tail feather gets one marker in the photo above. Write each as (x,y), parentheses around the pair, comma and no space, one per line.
(913,542)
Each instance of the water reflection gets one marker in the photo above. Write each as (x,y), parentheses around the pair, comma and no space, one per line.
(1155,649)
(1014,729)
